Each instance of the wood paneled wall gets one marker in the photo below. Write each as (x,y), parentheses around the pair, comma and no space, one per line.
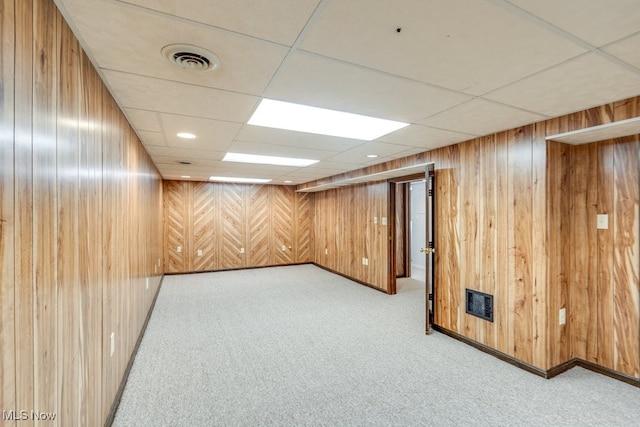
(222,219)
(602,266)
(348,226)
(516,218)
(80,225)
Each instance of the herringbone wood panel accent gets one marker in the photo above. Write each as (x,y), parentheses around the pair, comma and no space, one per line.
(233,225)
(259,225)
(282,218)
(204,227)
(175,200)
(302,233)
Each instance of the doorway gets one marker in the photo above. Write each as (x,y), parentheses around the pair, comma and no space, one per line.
(417,236)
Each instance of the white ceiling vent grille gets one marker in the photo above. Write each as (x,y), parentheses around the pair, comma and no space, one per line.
(191,57)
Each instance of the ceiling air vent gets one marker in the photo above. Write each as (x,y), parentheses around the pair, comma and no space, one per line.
(191,57)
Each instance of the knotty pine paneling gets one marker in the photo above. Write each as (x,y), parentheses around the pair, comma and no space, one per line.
(221,220)
(80,218)
(344,235)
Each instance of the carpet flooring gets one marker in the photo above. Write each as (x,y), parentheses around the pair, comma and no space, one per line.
(299,346)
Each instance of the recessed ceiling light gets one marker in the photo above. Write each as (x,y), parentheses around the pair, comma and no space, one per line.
(185,135)
(185,176)
(303,118)
(288,182)
(267,160)
(239,180)
(372,156)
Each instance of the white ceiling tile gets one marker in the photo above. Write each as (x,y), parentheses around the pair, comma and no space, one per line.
(468,46)
(596,21)
(247,64)
(627,50)
(347,55)
(143,120)
(280,21)
(259,134)
(481,117)
(183,153)
(333,167)
(278,150)
(202,166)
(581,83)
(359,153)
(140,92)
(425,137)
(210,134)
(152,138)
(326,83)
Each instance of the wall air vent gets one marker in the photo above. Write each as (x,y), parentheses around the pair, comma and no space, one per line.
(479,304)
(192,58)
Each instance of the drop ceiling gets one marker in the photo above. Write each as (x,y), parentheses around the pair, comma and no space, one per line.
(453,69)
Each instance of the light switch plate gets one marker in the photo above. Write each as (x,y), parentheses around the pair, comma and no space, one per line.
(602,222)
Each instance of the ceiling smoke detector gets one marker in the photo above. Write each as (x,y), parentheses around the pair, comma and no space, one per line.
(191,57)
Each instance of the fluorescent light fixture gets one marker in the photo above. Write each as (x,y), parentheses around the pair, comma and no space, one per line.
(185,135)
(372,156)
(303,118)
(267,160)
(239,180)
(185,176)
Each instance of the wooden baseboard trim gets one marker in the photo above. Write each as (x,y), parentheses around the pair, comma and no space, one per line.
(353,279)
(493,352)
(556,370)
(235,268)
(116,401)
(608,372)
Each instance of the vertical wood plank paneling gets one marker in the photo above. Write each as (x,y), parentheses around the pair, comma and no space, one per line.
(487,226)
(520,242)
(68,263)
(605,336)
(23,185)
(7,270)
(558,345)
(626,269)
(470,216)
(45,207)
(583,311)
(539,246)
(83,209)
(503,315)
(90,235)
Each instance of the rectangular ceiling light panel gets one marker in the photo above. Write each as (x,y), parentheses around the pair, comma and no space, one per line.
(303,118)
(267,160)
